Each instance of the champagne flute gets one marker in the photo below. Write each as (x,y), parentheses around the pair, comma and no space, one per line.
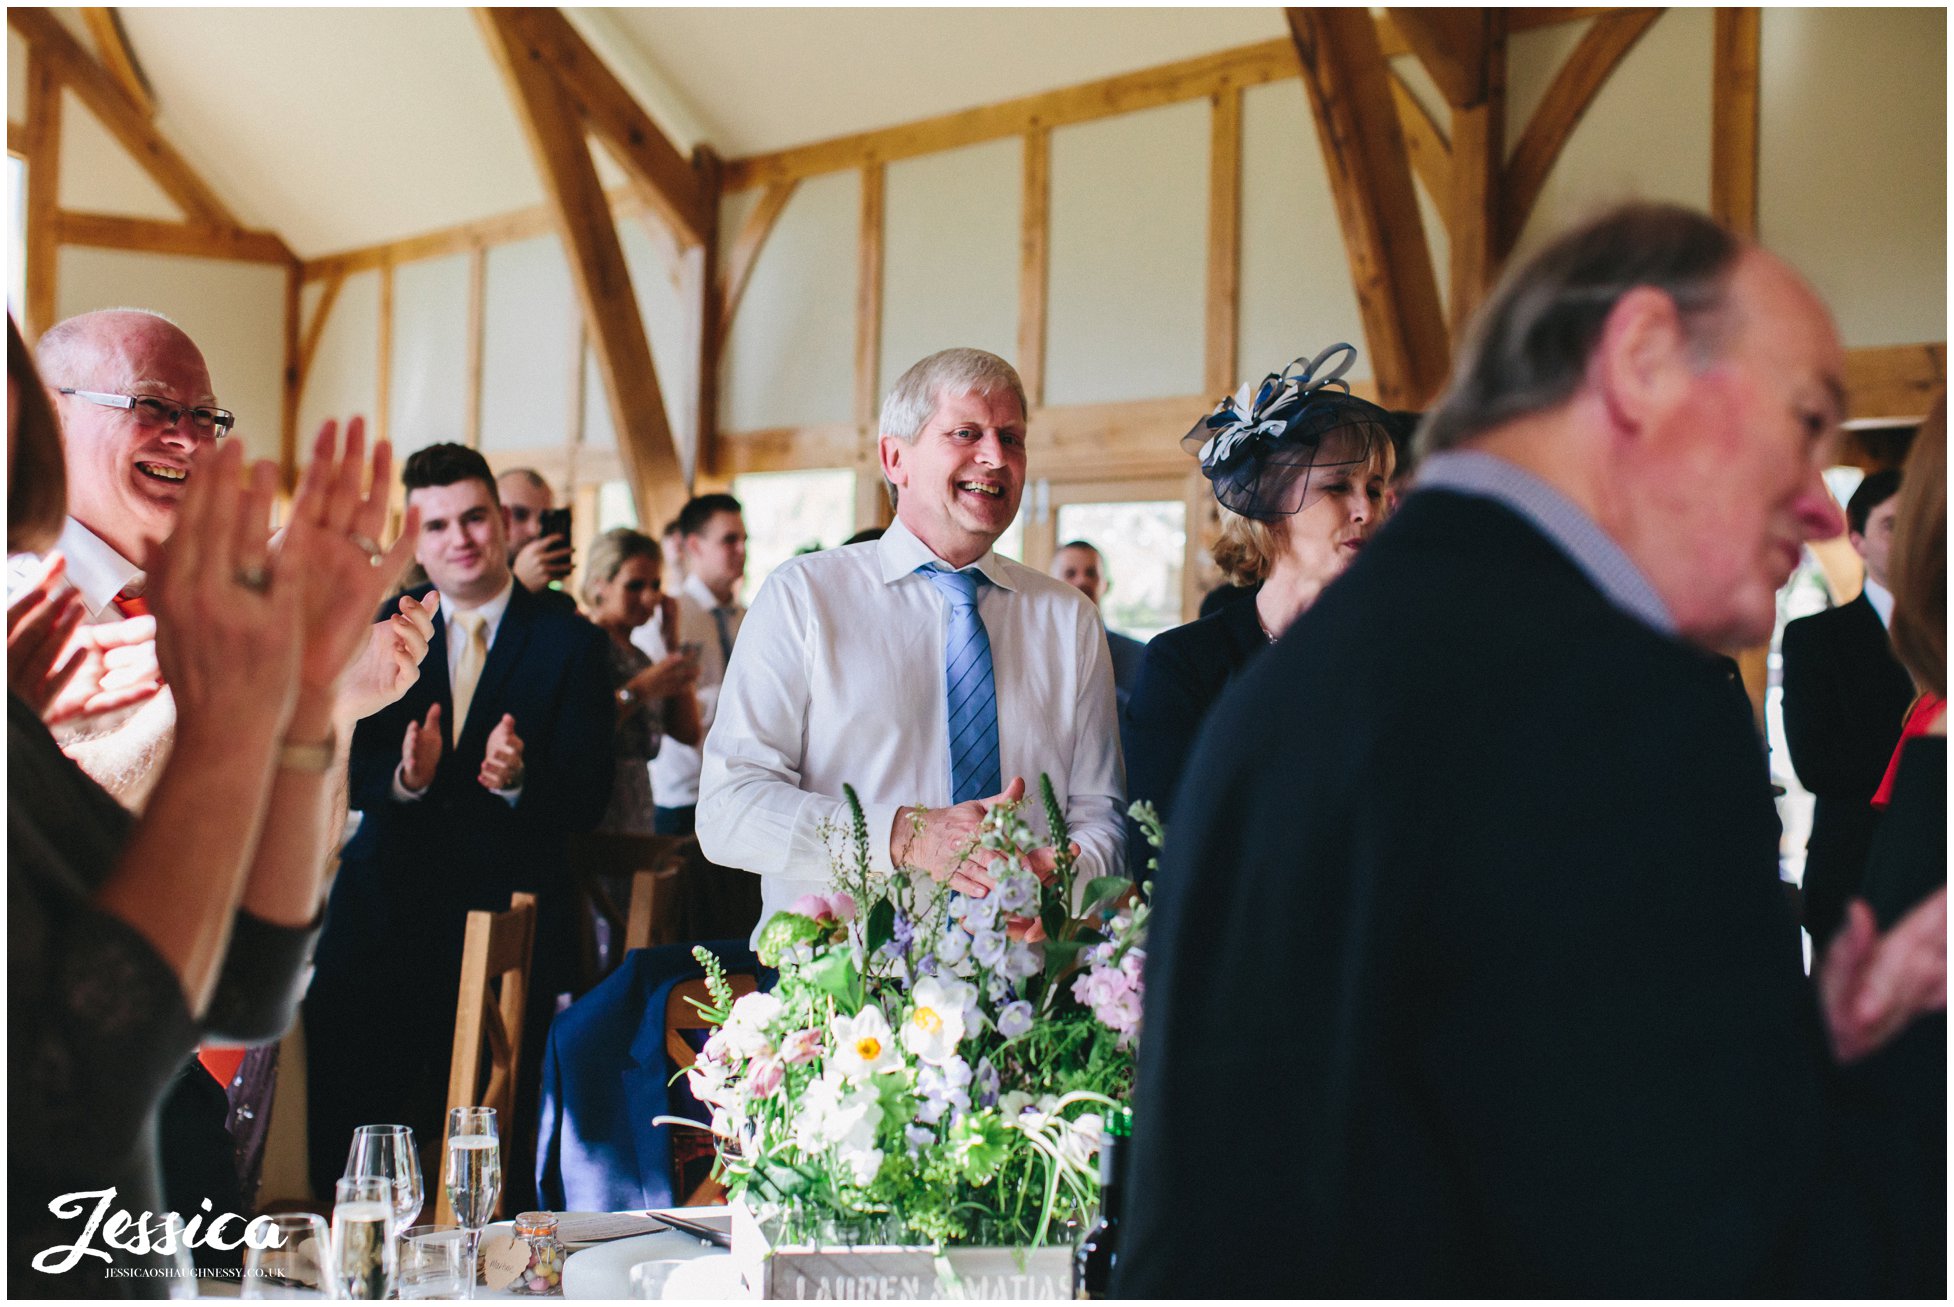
(363,1256)
(388,1151)
(295,1266)
(474,1180)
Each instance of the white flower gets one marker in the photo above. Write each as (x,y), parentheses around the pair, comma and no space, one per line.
(934,1026)
(954,946)
(835,1113)
(864,1045)
(1079,1143)
(862,1163)
(1011,1104)
(745,1031)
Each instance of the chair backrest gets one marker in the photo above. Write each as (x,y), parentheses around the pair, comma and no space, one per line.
(681,1016)
(608,867)
(495,956)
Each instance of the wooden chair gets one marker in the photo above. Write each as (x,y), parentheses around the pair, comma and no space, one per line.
(688,1146)
(496,954)
(603,865)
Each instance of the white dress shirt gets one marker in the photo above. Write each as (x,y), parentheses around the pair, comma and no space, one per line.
(675,767)
(491,614)
(838,677)
(1882,601)
(122,751)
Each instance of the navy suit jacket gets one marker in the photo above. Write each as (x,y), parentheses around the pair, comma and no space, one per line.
(414,870)
(606,1077)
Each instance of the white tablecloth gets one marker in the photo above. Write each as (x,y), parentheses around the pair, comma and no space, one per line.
(604,1270)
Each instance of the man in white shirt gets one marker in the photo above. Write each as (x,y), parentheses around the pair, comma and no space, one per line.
(711,536)
(535,558)
(921,668)
(134,398)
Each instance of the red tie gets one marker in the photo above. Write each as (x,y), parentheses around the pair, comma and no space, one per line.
(131,605)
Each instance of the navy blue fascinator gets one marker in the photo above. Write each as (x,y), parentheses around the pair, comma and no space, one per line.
(1264,447)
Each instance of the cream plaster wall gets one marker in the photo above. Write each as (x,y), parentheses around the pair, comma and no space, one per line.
(528,317)
(790,360)
(1852,185)
(664,317)
(1296,293)
(97,174)
(428,381)
(344,379)
(234,311)
(1646,136)
(1127,300)
(16,78)
(950,254)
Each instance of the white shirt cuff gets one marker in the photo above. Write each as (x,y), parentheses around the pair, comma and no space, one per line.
(401,793)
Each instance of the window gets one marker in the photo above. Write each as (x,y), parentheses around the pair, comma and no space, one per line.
(789,513)
(1143,545)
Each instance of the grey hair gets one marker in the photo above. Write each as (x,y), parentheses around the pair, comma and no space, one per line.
(914,397)
(1529,347)
(609,553)
(67,349)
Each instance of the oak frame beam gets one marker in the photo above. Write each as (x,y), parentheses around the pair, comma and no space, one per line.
(582,213)
(1426,144)
(1601,50)
(114,231)
(105,98)
(43,154)
(664,176)
(1734,118)
(1034,262)
(745,253)
(316,329)
(1452,45)
(1348,86)
(105,26)
(1224,284)
(291,379)
(1472,203)
(868,300)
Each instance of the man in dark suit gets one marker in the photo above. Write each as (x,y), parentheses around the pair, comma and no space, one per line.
(1845,698)
(469,787)
(1470,925)
(1080,565)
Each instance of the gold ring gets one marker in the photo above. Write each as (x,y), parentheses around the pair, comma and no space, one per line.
(369,547)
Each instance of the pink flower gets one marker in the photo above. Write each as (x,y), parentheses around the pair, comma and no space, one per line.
(801,1046)
(843,905)
(812,906)
(764,1076)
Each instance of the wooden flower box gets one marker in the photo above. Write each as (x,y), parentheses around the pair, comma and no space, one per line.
(875,1273)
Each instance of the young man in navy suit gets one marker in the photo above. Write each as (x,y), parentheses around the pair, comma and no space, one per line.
(470,786)
(1845,697)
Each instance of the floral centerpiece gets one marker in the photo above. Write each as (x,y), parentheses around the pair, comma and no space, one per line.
(931,1068)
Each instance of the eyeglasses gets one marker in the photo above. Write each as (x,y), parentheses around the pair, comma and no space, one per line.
(161,413)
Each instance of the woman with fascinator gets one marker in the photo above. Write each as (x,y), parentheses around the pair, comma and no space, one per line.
(1299,466)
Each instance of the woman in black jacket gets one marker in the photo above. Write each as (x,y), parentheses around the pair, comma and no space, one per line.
(1300,467)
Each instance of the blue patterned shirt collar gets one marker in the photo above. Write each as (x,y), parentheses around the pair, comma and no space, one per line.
(1554,515)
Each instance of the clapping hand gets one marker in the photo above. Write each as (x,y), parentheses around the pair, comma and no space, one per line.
(1871,986)
(674,674)
(391,661)
(420,750)
(330,550)
(502,761)
(39,626)
(943,841)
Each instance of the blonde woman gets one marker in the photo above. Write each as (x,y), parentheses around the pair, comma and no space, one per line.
(1300,467)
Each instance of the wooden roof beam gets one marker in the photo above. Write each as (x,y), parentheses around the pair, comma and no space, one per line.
(106,99)
(1452,45)
(583,219)
(1602,48)
(1349,89)
(105,26)
(665,177)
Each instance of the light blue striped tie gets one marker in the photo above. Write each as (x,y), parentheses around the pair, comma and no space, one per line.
(971,689)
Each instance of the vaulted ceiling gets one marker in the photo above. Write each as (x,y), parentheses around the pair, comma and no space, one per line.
(345,127)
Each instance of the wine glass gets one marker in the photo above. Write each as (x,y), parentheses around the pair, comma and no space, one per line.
(295,1265)
(388,1151)
(363,1260)
(474,1179)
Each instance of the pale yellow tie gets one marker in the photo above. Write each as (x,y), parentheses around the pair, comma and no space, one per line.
(468,670)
